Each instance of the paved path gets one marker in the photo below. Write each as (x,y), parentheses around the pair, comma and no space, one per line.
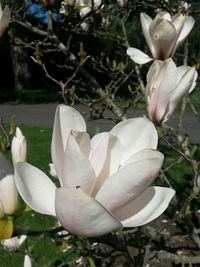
(42,115)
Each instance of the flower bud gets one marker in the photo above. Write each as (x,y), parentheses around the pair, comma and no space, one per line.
(18,147)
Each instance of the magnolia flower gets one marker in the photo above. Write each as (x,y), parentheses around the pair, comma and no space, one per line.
(14,243)
(104,181)
(9,200)
(86,6)
(8,193)
(18,147)
(163,35)
(5,17)
(166,86)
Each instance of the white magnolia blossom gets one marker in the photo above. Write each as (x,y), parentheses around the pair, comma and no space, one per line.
(5,17)
(166,86)
(9,199)
(104,182)
(163,35)
(85,6)
(18,147)
(14,243)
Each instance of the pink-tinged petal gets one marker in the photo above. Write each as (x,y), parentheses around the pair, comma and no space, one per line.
(182,89)
(112,163)
(138,56)
(163,36)
(188,25)
(98,152)
(147,207)
(8,192)
(4,20)
(159,91)
(146,22)
(182,70)
(83,140)
(77,170)
(66,120)
(134,135)
(35,188)
(129,182)
(178,22)
(164,15)
(82,215)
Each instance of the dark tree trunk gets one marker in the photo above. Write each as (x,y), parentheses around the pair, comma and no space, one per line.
(22,76)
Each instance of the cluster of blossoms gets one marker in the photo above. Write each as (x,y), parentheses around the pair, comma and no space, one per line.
(104,181)
(167,84)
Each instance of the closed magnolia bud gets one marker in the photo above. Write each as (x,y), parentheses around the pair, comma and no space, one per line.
(18,147)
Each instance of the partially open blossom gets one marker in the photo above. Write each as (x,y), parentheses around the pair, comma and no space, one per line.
(166,86)
(86,6)
(18,147)
(163,35)
(14,243)
(8,193)
(9,198)
(104,181)
(5,17)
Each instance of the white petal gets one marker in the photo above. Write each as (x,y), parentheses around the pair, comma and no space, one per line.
(77,170)
(181,91)
(147,207)
(8,192)
(83,140)
(80,214)
(188,25)
(112,162)
(129,182)
(178,21)
(66,120)
(35,188)
(146,22)
(134,135)
(98,152)
(138,56)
